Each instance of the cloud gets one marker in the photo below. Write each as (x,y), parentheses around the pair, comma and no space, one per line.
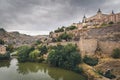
(46,15)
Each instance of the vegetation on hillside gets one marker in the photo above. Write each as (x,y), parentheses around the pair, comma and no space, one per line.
(90,60)
(116,53)
(2,42)
(107,74)
(65,36)
(62,29)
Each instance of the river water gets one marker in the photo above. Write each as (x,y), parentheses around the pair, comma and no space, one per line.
(13,70)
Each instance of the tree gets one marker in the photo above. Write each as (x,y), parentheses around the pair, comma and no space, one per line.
(5,56)
(23,53)
(59,30)
(10,48)
(2,42)
(43,49)
(66,57)
(71,28)
(65,36)
(34,54)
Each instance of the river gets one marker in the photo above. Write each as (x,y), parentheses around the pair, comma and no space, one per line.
(13,70)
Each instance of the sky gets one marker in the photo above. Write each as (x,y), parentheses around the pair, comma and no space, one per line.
(39,17)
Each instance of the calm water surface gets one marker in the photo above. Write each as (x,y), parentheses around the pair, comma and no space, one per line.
(34,71)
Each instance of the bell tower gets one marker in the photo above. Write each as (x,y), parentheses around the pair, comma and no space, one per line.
(99,11)
(84,19)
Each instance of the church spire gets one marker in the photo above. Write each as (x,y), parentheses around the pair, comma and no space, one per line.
(112,12)
(84,19)
(99,11)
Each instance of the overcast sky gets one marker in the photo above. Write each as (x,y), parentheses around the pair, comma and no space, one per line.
(36,17)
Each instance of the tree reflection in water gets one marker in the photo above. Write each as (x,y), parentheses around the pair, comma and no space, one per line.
(5,64)
(55,73)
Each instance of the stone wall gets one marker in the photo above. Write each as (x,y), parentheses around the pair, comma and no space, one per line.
(89,46)
(107,47)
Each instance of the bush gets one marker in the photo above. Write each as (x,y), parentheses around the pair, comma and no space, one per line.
(111,22)
(59,30)
(34,54)
(71,28)
(90,61)
(23,53)
(65,36)
(2,42)
(5,56)
(116,53)
(66,57)
(108,74)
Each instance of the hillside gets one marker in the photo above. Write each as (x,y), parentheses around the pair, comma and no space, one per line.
(16,38)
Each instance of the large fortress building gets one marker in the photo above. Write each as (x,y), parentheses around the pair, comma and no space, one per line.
(98,19)
(101,18)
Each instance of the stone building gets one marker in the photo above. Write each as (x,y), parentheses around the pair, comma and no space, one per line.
(2,49)
(101,18)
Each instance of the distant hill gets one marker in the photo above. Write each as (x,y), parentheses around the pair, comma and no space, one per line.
(18,39)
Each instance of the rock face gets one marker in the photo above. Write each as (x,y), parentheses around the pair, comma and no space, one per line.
(105,39)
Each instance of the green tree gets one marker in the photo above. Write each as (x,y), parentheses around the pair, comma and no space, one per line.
(23,53)
(71,28)
(67,57)
(2,42)
(5,56)
(65,36)
(43,49)
(34,54)
(10,48)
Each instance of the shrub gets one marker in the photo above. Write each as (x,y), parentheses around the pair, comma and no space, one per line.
(23,53)
(66,57)
(116,53)
(5,56)
(71,28)
(90,60)
(111,22)
(59,30)
(108,74)
(34,54)
(65,36)
(2,42)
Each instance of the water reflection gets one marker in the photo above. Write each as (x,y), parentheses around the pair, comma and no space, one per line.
(4,64)
(35,71)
